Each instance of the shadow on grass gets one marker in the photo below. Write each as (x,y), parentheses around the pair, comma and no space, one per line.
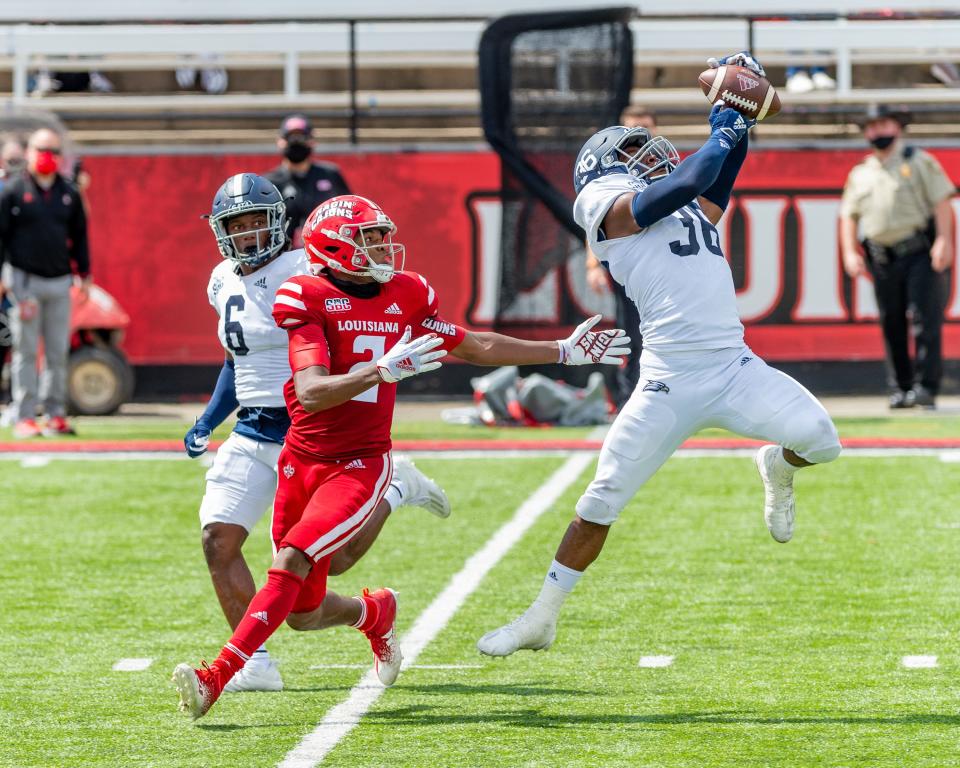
(510,690)
(422,715)
(317,689)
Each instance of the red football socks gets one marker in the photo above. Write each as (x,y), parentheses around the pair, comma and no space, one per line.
(369,615)
(266,612)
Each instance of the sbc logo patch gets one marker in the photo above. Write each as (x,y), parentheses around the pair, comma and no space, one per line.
(337,305)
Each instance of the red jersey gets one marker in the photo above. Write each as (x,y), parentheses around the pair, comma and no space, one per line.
(344,332)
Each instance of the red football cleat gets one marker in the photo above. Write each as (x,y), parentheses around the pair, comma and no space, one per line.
(198,688)
(57,425)
(26,428)
(382,636)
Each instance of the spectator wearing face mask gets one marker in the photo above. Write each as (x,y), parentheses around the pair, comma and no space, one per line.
(303,182)
(43,230)
(897,202)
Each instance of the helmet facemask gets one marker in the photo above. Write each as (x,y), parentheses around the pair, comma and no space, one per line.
(276,237)
(363,261)
(642,155)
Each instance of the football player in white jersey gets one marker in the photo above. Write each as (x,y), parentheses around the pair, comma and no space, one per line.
(652,219)
(249,221)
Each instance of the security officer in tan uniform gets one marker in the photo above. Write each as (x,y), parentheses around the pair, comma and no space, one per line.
(899,198)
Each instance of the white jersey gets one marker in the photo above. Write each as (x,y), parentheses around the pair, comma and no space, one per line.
(247,329)
(673,270)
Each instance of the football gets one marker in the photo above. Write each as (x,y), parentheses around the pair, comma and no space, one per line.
(742,89)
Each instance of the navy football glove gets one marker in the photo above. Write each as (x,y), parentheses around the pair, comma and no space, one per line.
(197,439)
(742,59)
(728,125)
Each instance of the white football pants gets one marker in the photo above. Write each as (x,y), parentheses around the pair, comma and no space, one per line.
(241,483)
(681,393)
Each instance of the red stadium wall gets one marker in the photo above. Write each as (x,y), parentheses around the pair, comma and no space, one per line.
(151,249)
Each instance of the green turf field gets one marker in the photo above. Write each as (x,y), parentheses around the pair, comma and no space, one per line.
(785,655)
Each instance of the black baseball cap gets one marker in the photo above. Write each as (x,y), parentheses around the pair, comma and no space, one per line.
(295,124)
(881,111)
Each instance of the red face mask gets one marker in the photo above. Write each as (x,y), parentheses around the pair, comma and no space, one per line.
(47,163)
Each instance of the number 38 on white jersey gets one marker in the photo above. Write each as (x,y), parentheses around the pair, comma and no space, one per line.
(674,271)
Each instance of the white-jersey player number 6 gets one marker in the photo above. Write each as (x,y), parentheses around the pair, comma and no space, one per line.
(232,330)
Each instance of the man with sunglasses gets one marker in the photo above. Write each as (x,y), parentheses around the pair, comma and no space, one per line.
(43,230)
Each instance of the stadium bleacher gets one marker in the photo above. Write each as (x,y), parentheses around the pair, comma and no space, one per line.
(386,76)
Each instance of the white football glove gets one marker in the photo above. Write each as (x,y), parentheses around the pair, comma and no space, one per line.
(584,346)
(742,59)
(408,358)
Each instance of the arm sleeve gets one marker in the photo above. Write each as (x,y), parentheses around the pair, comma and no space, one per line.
(211,295)
(308,347)
(289,308)
(694,175)
(936,183)
(342,182)
(430,322)
(79,249)
(223,401)
(4,226)
(849,208)
(719,191)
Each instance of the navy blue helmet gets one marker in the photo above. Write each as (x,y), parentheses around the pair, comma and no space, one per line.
(619,149)
(249,193)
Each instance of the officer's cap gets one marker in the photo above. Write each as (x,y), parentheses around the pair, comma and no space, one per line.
(881,111)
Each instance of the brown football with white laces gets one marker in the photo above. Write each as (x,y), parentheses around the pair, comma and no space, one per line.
(741,89)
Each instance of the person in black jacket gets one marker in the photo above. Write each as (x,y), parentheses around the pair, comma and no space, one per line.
(303,182)
(43,232)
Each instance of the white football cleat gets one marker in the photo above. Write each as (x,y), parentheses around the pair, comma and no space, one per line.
(198,689)
(256,675)
(778,503)
(532,630)
(419,490)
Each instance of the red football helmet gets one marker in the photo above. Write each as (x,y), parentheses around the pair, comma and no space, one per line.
(331,232)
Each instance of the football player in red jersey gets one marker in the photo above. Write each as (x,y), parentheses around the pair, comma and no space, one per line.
(357,325)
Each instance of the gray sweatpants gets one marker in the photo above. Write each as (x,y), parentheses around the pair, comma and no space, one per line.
(51,321)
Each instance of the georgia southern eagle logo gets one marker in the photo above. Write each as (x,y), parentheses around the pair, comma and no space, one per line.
(656,386)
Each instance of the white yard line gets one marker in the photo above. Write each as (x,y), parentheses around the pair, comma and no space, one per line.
(341,719)
(655,662)
(919,662)
(132,665)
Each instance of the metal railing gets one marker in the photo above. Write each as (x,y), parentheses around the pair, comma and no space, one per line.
(398,42)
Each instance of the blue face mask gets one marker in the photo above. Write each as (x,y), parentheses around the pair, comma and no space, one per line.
(882,142)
